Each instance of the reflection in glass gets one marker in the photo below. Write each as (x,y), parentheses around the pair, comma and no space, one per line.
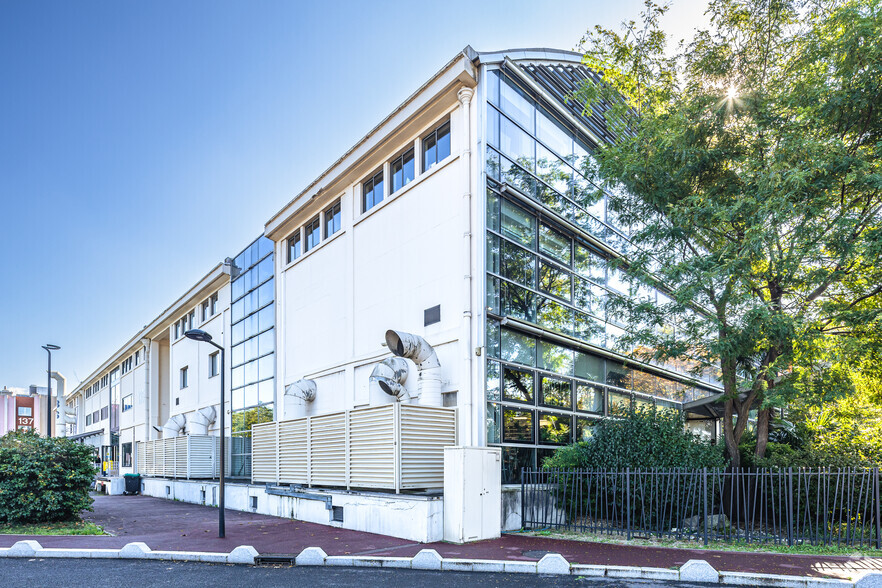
(517,224)
(556,392)
(554,429)
(518,348)
(517,426)
(589,398)
(554,244)
(517,385)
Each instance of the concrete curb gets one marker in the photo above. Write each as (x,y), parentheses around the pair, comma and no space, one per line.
(695,570)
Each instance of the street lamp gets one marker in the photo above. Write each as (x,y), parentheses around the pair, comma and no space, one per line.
(200,335)
(49,347)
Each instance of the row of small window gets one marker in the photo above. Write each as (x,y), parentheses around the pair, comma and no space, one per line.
(507,424)
(213,370)
(127,365)
(94,417)
(307,237)
(261,393)
(528,387)
(518,348)
(434,148)
(253,371)
(207,309)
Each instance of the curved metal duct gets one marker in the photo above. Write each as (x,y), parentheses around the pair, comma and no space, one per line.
(200,421)
(418,350)
(63,415)
(174,426)
(303,389)
(390,375)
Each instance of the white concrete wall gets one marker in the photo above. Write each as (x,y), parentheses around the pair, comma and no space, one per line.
(417,518)
(202,390)
(385,267)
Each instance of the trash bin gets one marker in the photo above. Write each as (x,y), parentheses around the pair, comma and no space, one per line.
(133,484)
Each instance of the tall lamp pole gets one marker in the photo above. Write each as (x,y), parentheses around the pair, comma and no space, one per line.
(49,349)
(200,335)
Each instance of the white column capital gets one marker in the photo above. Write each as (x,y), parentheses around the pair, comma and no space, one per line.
(465,95)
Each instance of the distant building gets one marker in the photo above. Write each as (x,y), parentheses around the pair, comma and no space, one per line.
(23,409)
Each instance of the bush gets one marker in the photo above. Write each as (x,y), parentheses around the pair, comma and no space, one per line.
(43,480)
(643,438)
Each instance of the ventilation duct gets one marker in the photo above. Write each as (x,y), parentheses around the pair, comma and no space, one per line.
(416,349)
(390,375)
(303,389)
(200,421)
(174,426)
(63,415)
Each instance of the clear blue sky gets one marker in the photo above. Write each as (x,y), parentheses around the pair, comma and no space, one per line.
(143,142)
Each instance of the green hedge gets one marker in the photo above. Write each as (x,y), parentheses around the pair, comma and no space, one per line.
(43,480)
(642,438)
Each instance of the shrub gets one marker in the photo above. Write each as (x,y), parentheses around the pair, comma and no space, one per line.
(43,480)
(642,438)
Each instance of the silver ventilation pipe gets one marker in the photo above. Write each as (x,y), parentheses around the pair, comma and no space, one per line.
(174,426)
(303,389)
(203,419)
(63,415)
(390,375)
(418,350)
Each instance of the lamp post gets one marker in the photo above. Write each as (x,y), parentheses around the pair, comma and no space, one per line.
(49,347)
(200,335)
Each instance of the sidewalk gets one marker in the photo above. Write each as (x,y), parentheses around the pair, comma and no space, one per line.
(178,526)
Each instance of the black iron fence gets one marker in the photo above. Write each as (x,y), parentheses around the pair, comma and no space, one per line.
(781,506)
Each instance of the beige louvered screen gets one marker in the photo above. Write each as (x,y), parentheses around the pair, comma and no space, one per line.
(293,466)
(425,431)
(327,449)
(372,447)
(264,457)
(393,447)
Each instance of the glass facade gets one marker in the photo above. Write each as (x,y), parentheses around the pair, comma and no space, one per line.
(546,391)
(252,349)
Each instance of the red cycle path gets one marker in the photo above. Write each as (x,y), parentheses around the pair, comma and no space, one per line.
(178,526)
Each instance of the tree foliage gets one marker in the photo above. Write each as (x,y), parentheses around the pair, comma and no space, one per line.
(640,438)
(43,480)
(748,167)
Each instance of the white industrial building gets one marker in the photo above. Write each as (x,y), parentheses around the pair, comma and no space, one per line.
(441,284)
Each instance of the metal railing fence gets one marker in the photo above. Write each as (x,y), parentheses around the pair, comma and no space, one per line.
(781,506)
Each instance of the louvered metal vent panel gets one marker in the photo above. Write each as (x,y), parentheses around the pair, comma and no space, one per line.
(264,458)
(425,431)
(181,456)
(292,452)
(201,456)
(328,449)
(168,448)
(372,447)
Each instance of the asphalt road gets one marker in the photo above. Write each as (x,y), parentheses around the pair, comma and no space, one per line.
(75,573)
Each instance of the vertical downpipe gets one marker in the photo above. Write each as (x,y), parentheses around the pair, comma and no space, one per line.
(465,97)
(146,343)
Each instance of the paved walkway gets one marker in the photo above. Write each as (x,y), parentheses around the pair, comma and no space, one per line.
(178,526)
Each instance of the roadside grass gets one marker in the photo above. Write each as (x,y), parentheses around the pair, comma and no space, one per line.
(60,528)
(740,546)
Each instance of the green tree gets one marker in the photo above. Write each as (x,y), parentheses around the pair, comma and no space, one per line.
(748,168)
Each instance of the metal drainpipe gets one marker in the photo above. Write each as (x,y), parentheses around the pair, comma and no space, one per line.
(146,343)
(465,97)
